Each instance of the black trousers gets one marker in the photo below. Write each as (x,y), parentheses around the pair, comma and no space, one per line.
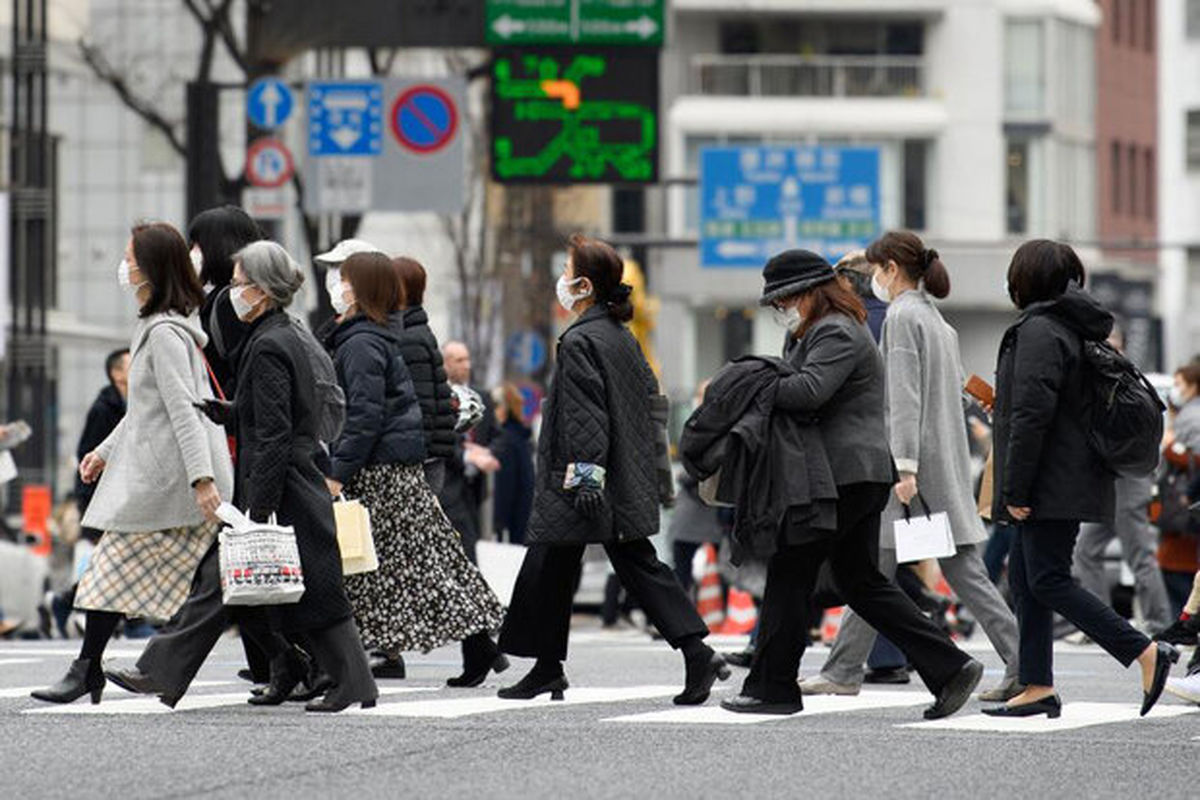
(1039,571)
(538,622)
(792,576)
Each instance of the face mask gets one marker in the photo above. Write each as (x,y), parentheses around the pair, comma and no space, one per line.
(565,298)
(338,298)
(333,281)
(1176,397)
(123,277)
(879,290)
(197,260)
(241,306)
(793,318)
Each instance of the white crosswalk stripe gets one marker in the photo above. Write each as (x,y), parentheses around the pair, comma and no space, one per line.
(467,706)
(141,704)
(4,662)
(713,714)
(1075,715)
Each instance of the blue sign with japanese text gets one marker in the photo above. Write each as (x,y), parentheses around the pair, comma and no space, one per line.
(345,118)
(758,201)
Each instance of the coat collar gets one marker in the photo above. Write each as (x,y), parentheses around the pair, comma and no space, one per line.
(593,314)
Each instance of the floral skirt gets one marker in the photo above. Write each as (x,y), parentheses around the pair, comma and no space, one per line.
(425,592)
(144,574)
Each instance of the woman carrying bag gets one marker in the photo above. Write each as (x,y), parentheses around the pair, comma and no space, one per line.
(928,438)
(164,469)
(425,592)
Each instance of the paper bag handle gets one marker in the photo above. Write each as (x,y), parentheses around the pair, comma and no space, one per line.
(906,508)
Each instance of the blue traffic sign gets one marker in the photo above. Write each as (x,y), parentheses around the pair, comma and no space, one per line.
(526,352)
(424,119)
(269,103)
(758,201)
(345,118)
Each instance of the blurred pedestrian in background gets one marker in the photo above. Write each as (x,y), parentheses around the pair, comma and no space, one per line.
(1048,479)
(597,484)
(928,436)
(1179,487)
(513,448)
(107,411)
(857,271)
(164,469)
(425,592)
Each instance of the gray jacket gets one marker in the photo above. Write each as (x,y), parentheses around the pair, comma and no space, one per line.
(163,445)
(926,426)
(1187,425)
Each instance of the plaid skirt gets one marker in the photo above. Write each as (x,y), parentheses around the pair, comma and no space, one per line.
(144,574)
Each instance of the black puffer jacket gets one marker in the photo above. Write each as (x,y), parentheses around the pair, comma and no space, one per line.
(421,353)
(597,411)
(383,417)
(1042,458)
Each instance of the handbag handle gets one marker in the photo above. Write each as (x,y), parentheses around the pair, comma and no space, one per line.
(905,506)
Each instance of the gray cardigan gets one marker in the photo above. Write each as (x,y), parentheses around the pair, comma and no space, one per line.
(163,445)
(926,426)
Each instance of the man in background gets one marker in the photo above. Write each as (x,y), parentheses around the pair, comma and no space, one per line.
(465,489)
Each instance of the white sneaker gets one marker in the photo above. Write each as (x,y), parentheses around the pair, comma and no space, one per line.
(823,686)
(1188,688)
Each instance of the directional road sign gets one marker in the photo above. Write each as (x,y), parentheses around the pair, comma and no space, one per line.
(345,118)
(269,103)
(269,164)
(632,22)
(424,119)
(758,201)
(526,351)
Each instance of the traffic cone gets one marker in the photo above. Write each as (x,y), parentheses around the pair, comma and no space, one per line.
(709,603)
(831,624)
(740,614)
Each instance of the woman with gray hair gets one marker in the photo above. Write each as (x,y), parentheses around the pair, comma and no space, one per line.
(275,416)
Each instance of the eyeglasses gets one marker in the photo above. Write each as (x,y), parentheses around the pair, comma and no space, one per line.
(235,284)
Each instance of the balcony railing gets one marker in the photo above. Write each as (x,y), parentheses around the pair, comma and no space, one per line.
(765,75)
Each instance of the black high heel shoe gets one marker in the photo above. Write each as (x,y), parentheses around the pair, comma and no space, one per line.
(475,675)
(701,675)
(333,705)
(1050,706)
(531,686)
(82,678)
(288,670)
(480,657)
(1167,657)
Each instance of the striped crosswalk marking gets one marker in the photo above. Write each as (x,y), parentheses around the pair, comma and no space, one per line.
(713,714)
(1075,715)
(142,704)
(467,706)
(4,662)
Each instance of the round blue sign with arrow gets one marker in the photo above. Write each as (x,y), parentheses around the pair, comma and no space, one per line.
(269,103)
(526,352)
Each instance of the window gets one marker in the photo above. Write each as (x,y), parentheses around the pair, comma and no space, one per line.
(1017,186)
(1133,181)
(1192,139)
(1114,177)
(914,184)
(1024,68)
(1150,25)
(1151,184)
(1192,25)
(1116,21)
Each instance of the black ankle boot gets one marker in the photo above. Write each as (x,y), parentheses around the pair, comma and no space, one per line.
(702,671)
(288,669)
(480,657)
(541,679)
(84,677)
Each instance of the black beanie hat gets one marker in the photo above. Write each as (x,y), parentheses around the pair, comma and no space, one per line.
(792,272)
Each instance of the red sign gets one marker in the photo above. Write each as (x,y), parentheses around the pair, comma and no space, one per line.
(269,164)
(424,119)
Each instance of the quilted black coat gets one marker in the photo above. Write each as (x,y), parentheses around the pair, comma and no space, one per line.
(421,353)
(276,419)
(598,411)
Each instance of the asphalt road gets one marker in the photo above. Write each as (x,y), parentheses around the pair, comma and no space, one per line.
(617,735)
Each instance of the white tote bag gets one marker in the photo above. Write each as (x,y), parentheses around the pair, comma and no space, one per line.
(260,563)
(923,536)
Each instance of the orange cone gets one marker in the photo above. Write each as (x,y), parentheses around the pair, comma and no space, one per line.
(740,614)
(709,602)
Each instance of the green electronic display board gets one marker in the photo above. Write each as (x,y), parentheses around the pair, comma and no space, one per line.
(520,22)
(575,116)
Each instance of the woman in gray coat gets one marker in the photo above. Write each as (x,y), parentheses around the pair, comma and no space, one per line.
(164,469)
(928,437)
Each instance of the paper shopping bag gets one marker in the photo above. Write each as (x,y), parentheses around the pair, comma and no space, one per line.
(355,541)
(259,562)
(923,536)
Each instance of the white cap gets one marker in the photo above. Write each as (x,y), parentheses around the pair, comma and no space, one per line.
(345,249)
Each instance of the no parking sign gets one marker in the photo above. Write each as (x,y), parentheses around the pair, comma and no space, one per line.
(424,119)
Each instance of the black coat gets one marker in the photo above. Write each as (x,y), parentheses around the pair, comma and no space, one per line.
(383,417)
(107,410)
(514,482)
(1042,457)
(276,420)
(598,411)
(421,353)
(772,466)
(839,378)
(225,336)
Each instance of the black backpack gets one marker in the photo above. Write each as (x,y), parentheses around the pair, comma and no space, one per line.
(1124,414)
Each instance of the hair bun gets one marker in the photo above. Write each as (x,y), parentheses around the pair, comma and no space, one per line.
(929,256)
(621,294)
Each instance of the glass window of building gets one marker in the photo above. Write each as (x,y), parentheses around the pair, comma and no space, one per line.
(1133,181)
(1114,177)
(1116,21)
(1193,139)
(915,176)
(1151,184)
(1024,68)
(1148,28)
(1192,22)
(1017,186)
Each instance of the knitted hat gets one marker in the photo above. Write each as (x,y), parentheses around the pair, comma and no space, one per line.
(792,272)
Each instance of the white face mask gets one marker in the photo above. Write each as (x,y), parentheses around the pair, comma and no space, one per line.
(338,298)
(1176,397)
(241,306)
(793,318)
(333,280)
(123,279)
(880,291)
(566,298)
(197,260)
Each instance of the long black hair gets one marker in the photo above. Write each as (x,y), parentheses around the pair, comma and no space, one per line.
(220,232)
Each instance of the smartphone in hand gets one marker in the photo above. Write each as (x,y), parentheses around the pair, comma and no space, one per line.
(982,391)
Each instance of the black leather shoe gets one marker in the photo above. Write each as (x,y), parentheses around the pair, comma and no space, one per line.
(474,676)
(532,685)
(133,680)
(1182,632)
(1050,706)
(288,671)
(246,675)
(742,658)
(1167,656)
(82,678)
(955,694)
(330,705)
(312,688)
(390,668)
(893,676)
(742,704)
(701,675)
